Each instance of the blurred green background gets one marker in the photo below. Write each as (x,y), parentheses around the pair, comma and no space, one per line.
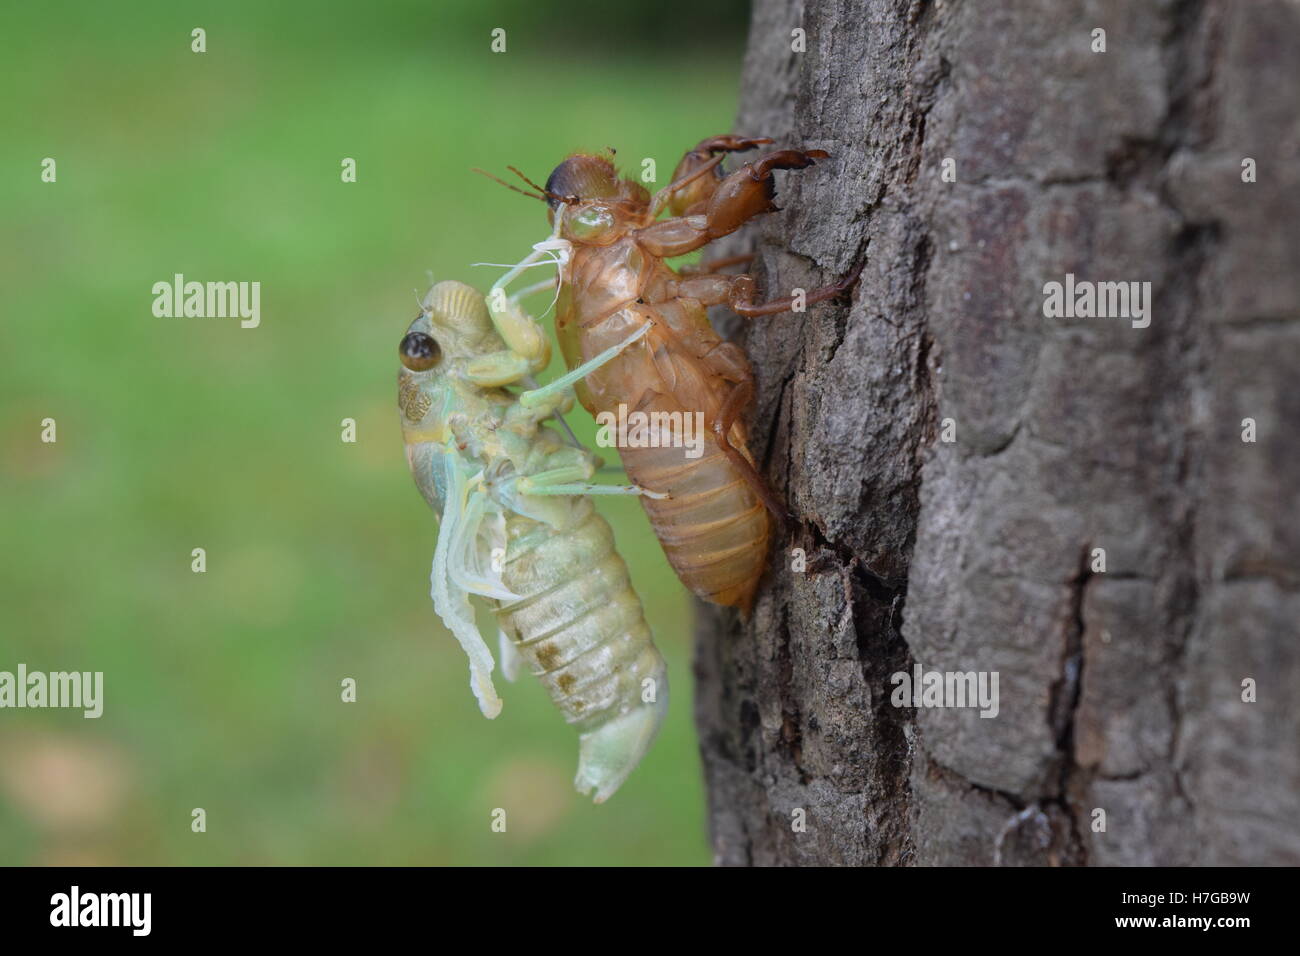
(222,689)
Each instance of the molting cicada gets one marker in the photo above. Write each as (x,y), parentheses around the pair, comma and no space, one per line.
(518,528)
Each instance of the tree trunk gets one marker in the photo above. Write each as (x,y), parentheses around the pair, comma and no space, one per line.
(1122,735)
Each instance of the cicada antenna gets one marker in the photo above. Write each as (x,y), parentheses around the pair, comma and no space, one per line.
(540,189)
(545,194)
(543,190)
(502,182)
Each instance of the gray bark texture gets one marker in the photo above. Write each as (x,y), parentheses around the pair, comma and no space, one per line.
(1121,691)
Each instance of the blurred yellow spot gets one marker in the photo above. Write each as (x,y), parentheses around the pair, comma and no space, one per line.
(63,782)
(23,454)
(535,794)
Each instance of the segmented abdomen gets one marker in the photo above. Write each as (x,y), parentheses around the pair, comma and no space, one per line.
(580,625)
(714,529)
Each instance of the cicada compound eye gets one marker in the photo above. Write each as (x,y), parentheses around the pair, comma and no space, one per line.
(419,351)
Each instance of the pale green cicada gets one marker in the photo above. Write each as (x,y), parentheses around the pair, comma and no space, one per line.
(518,528)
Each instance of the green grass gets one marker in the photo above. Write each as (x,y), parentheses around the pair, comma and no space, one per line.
(223,689)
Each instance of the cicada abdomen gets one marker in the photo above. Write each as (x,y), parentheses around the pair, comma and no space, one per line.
(580,627)
(517,528)
(712,524)
(713,528)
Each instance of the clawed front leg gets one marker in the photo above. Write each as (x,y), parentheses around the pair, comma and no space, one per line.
(720,207)
(695,179)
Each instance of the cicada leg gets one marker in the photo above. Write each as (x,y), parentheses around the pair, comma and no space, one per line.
(553,248)
(710,267)
(511,660)
(528,348)
(725,206)
(737,400)
(536,396)
(571,480)
(691,183)
(593,489)
(519,330)
(737,292)
(742,300)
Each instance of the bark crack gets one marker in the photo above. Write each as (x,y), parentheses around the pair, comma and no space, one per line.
(1064,707)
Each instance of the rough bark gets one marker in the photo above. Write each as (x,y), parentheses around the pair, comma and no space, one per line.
(1119,690)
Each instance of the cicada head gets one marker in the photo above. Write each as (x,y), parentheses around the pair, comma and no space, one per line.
(420,397)
(595,203)
(421,375)
(452,328)
(580,178)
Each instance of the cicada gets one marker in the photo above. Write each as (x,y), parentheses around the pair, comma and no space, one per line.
(672,375)
(518,528)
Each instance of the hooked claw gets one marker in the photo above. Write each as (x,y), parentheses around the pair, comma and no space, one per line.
(786,159)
